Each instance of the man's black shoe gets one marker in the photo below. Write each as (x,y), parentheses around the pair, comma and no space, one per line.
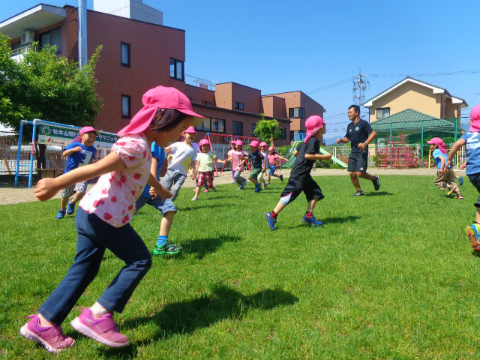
(358,193)
(376,183)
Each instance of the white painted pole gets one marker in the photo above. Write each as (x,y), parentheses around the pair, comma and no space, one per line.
(82,33)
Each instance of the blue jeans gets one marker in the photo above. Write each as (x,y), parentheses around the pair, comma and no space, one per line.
(475,180)
(94,236)
(162,206)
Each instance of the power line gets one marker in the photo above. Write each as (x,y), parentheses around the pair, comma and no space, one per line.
(442,73)
(331,85)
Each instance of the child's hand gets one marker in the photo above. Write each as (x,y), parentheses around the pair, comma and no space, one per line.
(77,149)
(165,194)
(447,165)
(463,166)
(327,157)
(45,189)
(153,193)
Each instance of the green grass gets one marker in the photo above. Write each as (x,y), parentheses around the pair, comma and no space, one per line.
(390,275)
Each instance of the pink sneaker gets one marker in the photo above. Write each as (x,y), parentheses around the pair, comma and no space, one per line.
(103,330)
(51,338)
(206,191)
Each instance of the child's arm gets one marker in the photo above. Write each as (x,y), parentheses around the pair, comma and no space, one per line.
(69,152)
(48,187)
(295,153)
(318,156)
(168,149)
(194,165)
(282,158)
(463,166)
(443,168)
(454,150)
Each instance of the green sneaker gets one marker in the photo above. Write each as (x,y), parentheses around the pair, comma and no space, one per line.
(167,249)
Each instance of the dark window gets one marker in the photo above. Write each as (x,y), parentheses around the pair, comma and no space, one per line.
(284,134)
(16,45)
(296,113)
(383,113)
(292,135)
(209,103)
(218,125)
(239,106)
(237,128)
(254,126)
(126,106)
(125,50)
(176,69)
(52,37)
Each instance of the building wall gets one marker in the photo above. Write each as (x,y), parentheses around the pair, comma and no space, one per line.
(199,95)
(409,96)
(274,106)
(227,94)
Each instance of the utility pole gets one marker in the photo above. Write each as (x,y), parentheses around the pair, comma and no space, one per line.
(82,33)
(360,85)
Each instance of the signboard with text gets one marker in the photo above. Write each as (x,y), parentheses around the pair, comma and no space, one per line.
(57,135)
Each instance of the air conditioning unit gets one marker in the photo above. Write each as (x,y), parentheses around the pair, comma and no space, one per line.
(28,37)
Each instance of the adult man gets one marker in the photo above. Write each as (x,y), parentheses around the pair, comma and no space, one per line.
(359,134)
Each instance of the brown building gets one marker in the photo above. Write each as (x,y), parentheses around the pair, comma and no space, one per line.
(139,53)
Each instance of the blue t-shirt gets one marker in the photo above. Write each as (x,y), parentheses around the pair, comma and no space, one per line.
(437,154)
(79,158)
(473,152)
(159,154)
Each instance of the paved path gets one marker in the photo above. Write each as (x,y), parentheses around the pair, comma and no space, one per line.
(12,195)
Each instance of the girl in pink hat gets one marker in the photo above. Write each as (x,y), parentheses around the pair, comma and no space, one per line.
(471,140)
(273,157)
(238,159)
(264,151)
(205,167)
(102,222)
(230,152)
(181,163)
(445,178)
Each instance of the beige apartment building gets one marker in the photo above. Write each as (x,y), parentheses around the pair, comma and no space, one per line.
(414,94)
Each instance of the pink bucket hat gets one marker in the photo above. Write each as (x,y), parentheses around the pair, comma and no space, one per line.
(190,130)
(272,148)
(203,142)
(440,143)
(254,143)
(233,142)
(263,143)
(475,119)
(87,129)
(313,124)
(239,142)
(160,97)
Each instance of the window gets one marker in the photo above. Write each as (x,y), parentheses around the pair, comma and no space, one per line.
(239,106)
(176,69)
(125,50)
(126,106)
(214,125)
(16,45)
(254,126)
(284,134)
(237,128)
(383,113)
(209,103)
(296,113)
(52,37)
(292,135)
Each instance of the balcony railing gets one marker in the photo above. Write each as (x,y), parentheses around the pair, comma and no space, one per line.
(21,50)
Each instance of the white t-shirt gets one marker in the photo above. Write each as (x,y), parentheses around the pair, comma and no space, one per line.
(183,154)
(206,161)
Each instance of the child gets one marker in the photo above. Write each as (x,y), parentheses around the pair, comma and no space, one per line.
(183,158)
(102,222)
(205,167)
(257,165)
(232,149)
(79,153)
(300,178)
(166,207)
(238,158)
(445,178)
(272,161)
(264,150)
(471,139)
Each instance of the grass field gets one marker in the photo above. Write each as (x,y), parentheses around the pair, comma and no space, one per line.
(391,275)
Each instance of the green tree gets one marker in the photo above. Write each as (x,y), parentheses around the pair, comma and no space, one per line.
(267,129)
(44,86)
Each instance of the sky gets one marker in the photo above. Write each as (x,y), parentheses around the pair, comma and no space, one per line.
(309,45)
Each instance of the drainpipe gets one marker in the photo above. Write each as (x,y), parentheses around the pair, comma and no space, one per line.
(82,33)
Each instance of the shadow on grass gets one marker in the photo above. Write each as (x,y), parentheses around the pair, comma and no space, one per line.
(380,193)
(203,247)
(188,316)
(206,206)
(326,222)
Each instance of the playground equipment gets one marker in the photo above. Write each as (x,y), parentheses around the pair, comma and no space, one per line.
(294,146)
(396,155)
(51,133)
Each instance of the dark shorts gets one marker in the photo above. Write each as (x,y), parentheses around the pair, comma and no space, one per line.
(295,187)
(475,180)
(358,162)
(158,203)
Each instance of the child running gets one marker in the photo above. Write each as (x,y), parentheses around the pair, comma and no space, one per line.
(445,178)
(273,157)
(238,158)
(471,139)
(80,152)
(205,168)
(264,150)
(102,222)
(184,156)
(258,165)
(232,149)
(166,207)
(300,178)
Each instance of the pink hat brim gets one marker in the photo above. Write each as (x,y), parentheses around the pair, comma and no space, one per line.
(312,133)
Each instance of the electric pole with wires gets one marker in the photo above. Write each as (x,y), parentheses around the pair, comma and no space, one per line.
(360,85)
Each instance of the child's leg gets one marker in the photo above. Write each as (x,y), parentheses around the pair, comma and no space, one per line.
(66,194)
(179,180)
(233,174)
(240,180)
(168,210)
(169,179)
(209,179)
(439,181)
(200,183)
(166,223)
(313,193)
(87,262)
